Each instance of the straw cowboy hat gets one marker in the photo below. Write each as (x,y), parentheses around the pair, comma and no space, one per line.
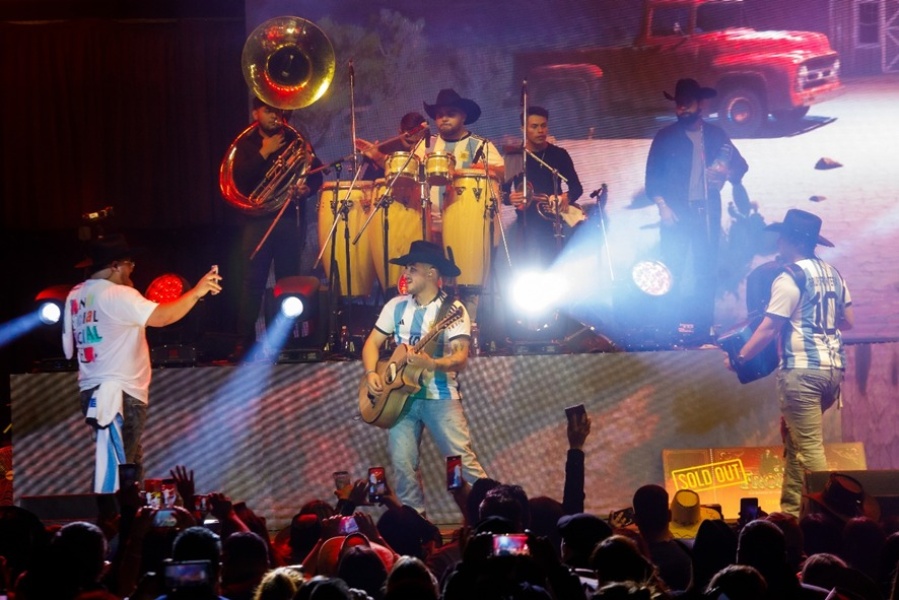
(687,514)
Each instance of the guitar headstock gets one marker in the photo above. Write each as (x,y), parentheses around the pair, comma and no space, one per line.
(453,315)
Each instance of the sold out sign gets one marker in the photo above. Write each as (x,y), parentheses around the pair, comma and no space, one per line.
(710,476)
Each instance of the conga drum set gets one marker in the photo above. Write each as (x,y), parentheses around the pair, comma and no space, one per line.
(382,218)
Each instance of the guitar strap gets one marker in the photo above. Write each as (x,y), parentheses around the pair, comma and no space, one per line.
(445,306)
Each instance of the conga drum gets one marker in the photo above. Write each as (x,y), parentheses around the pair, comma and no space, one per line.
(439,168)
(330,200)
(466,224)
(404,220)
(403,166)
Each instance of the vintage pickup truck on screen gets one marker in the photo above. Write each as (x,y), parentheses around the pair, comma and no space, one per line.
(756,73)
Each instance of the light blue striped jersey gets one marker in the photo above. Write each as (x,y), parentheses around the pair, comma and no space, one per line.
(407,321)
(814,302)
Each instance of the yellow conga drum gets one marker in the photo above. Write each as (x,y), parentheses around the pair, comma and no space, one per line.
(331,198)
(466,223)
(403,216)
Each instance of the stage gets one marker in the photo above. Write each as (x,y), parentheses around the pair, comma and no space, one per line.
(272,434)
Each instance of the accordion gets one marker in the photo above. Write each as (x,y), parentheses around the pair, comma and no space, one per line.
(761,365)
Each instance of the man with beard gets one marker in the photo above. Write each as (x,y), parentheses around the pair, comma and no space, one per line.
(688,164)
(254,155)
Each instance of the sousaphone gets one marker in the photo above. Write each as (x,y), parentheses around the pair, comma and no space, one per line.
(288,63)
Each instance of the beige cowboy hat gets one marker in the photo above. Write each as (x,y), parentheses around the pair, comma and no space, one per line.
(687,514)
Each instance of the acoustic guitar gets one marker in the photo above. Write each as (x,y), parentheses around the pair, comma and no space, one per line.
(400,379)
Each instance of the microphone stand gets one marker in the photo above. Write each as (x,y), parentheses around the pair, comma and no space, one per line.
(384,202)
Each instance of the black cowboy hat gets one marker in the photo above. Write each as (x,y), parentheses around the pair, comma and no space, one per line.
(686,90)
(107,249)
(845,498)
(422,251)
(802,227)
(449,97)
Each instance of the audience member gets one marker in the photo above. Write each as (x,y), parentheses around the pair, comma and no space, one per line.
(737,582)
(795,544)
(821,533)
(761,545)
(863,541)
(545,514)
(618,559)
(245,561)
(652,516)
(714,548)
(830,572)
(280,583)
(410,579)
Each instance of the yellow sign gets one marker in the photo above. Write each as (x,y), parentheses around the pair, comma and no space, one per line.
(710,476)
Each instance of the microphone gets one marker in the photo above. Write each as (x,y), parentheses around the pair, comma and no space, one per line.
(598,191)
(479,154)
(427,135)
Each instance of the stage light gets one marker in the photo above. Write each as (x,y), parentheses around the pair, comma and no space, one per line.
(176,344)
(49,303)
(295,295)
(293,332)
(167,287)
(536,292)
(652,277)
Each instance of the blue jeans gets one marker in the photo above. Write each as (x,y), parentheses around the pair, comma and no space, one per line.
(134,420)
(446,421)
(804,396)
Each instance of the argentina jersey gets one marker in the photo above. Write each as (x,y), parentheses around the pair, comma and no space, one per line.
(404,319)
(812,339)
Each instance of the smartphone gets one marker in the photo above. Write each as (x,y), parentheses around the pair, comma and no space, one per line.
(165,517)
(453,472)
(215,269)
(749,509)
(187,574)
(348,525)
(341,479)
(169,493)
(575,411)
(510,544)
(377,484)
(127,475)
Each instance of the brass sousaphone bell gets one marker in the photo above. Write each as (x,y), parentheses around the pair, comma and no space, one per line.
(288,63)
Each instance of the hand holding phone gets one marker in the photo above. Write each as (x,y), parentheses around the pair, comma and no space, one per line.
(188,574)
(510,544)
(377,484)
(578,426)
(165,518)
(453,473)
(749,509)
(348,525)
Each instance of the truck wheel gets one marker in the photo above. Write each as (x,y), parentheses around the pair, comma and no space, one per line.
(791,116)
(740,112)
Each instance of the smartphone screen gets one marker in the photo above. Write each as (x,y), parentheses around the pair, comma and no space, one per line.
(348,525)
(574,411)
(749,509)
(165,517)
(453,472)
(376,484)
(341,479)
(169,493)
(187,574)
(127,475)
(510,544)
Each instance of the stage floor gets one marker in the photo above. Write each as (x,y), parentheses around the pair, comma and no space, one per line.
(273,434)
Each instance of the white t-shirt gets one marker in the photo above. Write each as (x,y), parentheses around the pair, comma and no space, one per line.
(105,323)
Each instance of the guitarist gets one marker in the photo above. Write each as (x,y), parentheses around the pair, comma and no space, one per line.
(809,305)
(536,240)
(437,406)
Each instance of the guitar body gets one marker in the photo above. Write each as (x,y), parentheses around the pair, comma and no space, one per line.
(400,381)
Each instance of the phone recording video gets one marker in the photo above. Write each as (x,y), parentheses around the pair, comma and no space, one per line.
(749,509)
(377,484)
(510,544)
(572,412)
(341,479)
(348,525)
(169,493)
(187,574)
(127,475)
(453,472)
(165,518)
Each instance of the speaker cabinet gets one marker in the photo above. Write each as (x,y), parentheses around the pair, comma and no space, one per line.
(64,509)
